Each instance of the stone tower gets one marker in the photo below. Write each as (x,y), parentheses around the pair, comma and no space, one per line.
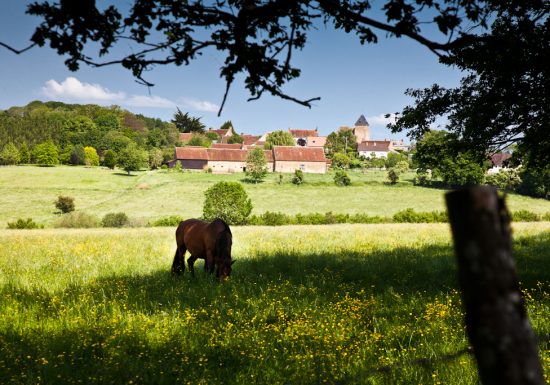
(361,129)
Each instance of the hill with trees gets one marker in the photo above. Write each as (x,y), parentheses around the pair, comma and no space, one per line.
(72,127)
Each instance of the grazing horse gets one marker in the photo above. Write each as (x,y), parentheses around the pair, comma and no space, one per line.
(209,241)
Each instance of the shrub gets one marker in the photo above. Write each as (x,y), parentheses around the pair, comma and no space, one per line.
(155,158)
(228,201)
(546,217)
(177,167)
(506,180)
(275,219)
(46,154)
(77,220)
(64,204)
(393,175)
(78,155)
(10,154)
(256,165)
(132,158)
(24,154)
(411,216)
(114,220)
(90,157)
(170,221)
(525,216)
(109,159)
(341,178)
(298,177)
(24,224)
(422,178)
(340,160)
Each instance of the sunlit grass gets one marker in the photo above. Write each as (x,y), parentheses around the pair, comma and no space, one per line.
(305,305)
(148,195)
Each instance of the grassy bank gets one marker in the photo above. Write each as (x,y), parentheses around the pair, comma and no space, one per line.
(30,192)
(311,304)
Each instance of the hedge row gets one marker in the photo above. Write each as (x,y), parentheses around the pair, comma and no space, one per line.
(405,216)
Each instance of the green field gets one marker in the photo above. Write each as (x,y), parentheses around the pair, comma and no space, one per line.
(360,304)
(30,192)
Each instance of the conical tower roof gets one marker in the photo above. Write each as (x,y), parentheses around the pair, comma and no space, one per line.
(362,121)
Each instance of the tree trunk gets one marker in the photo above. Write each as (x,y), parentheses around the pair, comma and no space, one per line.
(496,320)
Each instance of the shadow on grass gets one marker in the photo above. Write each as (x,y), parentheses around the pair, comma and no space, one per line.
(124,174)
(81,351)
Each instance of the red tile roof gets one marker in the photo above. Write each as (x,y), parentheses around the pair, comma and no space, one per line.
(250,139)
(234,146)
(499,159)
(191,153)
(303,133)
(219,132)
(374,145)
(299,154)
(226,155)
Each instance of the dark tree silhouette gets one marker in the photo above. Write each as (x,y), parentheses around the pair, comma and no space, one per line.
(186,123)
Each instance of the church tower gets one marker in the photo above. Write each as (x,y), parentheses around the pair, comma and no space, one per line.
(361,129)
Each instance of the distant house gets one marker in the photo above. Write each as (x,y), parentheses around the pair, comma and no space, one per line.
(191,157)
(300,136)
(307,159)
(219,160)
(223,134)
(316,141)
(400,145)
(499,161)
(376,148)
(360,129)
(250,140)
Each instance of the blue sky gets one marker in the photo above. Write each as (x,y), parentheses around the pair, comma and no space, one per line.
(351,80)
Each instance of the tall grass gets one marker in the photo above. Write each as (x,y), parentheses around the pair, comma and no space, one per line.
(305,305)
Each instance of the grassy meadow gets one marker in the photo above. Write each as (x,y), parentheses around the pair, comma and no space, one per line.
(358,304)
(30,192)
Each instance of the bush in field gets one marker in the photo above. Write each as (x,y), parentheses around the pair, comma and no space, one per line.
(298,177)
(506,180)
(341,178)
(109,159)
(24,224)
(132,158)
(90,157)
(422,178)
(256,165)
(393,175)
(10,154)
(340,160)
(394,158)
(77,220)
(525,216)
(155,158)
(228,201)
(411,216)
(114,220)
(170,221)
(46,154)
(64,204)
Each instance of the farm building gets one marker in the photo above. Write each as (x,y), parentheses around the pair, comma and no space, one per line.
(499,161)
(307,159)
(223,134)
(219,160)
(232,146)
(300,136)
(375,148)
(191,157)
(316,141)
(185,137)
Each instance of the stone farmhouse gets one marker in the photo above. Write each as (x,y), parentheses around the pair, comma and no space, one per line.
(229,160)
(499,161)
(375,148)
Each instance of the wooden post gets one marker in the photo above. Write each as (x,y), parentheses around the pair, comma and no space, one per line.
(496,320)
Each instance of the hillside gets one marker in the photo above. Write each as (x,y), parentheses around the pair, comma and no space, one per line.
(30,192)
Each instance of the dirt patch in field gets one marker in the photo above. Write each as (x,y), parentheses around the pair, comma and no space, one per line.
(142,186)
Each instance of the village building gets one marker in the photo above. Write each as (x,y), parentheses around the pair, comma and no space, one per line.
(219,160)
(400,145)
(300,136)
(499,161)
(316,141)
(307,159)
(361,129)
(223,134)
(375,148)
(185,137)
(250,140)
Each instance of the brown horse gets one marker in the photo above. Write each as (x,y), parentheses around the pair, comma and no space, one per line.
(209,241)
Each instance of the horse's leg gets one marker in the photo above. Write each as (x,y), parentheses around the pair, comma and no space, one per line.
(190,263)
(178,266)
(209,262)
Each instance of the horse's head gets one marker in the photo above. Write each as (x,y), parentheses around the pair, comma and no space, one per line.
(223,251)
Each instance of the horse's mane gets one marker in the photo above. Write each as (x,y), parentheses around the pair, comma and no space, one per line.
(223,238)
(226,226)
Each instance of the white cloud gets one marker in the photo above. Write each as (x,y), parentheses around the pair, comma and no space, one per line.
(380,120)
(73,90)
(149,101)
(200,105)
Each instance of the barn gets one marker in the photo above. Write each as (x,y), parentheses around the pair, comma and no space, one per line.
(308,159)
